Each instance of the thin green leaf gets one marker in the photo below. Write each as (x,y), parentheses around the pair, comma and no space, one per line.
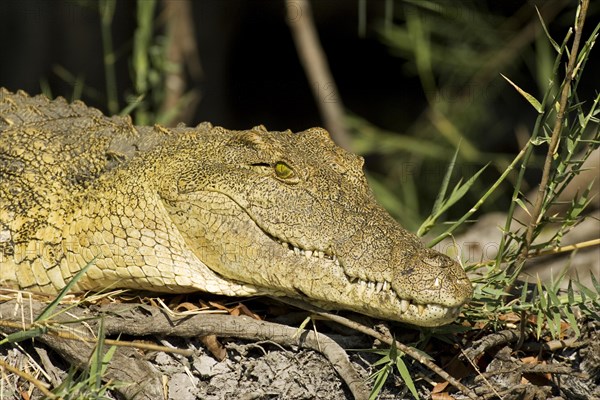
(444,186)
(523,297)
(96,361)
(24,335)
(555,323)
(50,309)
(570,294)
(535,293)
(532,100)
(595,282)
(553,298)
(457,193)
(133,104)
(96,367)
(585,291)
(494,291)
(384,360)
(403,370)
(552,41)
(539,324)
(482,199)
(522,205)
(110,353)
(594,314)
(572,321)
(381,377)
(393,351)
(581,292)
(541,291)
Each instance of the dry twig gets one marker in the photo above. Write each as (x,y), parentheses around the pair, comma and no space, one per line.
(299,18)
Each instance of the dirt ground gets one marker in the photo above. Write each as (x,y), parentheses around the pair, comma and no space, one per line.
(263,360)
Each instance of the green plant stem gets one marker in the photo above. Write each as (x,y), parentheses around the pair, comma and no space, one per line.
(107,11)
(515,268)
(140,59)
(536,213)
(482,200)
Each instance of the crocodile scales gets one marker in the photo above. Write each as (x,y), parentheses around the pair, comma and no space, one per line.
(204,208)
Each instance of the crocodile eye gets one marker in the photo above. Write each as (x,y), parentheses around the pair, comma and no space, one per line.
(283,171)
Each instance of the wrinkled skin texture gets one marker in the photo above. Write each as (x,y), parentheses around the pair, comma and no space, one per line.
(184,209)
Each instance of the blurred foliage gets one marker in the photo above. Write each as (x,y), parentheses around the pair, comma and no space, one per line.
(458,51)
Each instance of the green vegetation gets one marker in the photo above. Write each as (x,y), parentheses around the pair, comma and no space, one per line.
(566,128)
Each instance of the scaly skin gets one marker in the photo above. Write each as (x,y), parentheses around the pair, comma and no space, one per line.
(184,209)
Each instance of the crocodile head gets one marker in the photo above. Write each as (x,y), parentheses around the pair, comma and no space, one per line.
(292,214)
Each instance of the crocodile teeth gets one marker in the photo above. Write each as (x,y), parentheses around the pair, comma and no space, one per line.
(307,253)
(375,286)
(404,305)
(363,286)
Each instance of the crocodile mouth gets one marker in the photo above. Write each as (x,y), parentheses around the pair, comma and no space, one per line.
(254,256)
(370,289)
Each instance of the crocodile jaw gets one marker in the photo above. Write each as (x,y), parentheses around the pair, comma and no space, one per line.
(229,242)
(375,298)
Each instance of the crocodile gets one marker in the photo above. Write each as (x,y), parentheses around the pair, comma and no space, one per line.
(184,209)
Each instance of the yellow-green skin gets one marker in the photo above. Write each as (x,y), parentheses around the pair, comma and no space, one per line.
(184,209)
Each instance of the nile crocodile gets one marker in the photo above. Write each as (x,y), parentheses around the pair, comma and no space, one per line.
(183,209)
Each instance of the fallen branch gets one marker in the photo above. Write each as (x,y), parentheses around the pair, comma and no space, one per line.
(141,320)
(314,61)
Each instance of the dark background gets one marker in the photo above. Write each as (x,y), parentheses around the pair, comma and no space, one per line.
(251,75)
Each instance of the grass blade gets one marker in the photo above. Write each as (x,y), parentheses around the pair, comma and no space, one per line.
(403,370)
(48,310)
(442,193)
